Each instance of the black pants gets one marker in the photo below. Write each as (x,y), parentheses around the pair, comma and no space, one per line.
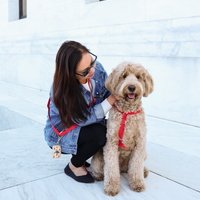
(91,139)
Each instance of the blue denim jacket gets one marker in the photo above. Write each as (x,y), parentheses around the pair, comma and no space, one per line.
(68,142)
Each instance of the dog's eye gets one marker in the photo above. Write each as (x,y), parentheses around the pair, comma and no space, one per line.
(124,76)
(137,77)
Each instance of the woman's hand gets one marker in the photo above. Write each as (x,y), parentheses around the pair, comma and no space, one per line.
(117,97)
(112,98)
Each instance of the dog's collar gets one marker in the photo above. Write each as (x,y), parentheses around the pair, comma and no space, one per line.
(121,129)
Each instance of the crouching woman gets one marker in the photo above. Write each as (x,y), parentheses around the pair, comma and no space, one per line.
(78,100)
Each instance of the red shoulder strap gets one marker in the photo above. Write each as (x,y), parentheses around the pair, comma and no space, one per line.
(72,127)
(57,132)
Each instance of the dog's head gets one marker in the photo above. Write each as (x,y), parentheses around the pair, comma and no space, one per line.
(130,81)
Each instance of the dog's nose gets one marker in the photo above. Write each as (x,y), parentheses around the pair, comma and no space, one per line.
(131,88)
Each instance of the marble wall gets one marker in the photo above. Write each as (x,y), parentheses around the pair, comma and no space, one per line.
(163,36)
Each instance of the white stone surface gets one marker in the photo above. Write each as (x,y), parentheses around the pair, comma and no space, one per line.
(62,187)
(28,171)
(115,30)
(179,167)
(157,10)
(176,136)
(11,120)
(27,156)
(4,11)
(10,91)
(112,12)
(13,10)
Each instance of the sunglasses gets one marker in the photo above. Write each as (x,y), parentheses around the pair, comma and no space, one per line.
(85,73)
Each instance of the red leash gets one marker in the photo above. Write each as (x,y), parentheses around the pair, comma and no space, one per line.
(121,129)
(72,127)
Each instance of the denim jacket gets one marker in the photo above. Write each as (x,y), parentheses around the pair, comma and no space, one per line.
(68,142)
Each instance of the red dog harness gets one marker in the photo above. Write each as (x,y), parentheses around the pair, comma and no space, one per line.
(121,129)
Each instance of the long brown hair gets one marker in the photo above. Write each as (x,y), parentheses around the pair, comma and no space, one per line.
(67,95)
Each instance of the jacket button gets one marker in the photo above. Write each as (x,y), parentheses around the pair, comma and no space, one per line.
(97,93)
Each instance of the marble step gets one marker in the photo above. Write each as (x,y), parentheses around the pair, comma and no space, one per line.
(27,158)
(10,119)
(63,187)
(174,165)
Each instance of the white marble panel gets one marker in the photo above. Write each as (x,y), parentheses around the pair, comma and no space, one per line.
(176,90)
(9,68)
(37,6)
(13,10)
(18,28)
(28,94)
(48,69)
(6,97)
(30,110)
(109,62)
(3,30)
(181,49)
(29,71)
(111,12)
(62,187)
(143,32)
(11,120)
(4,11)
(138,49)
(173,49)
(174,165)
(176,136)
(65,17)
(157,10)
(185,29)
(27,156)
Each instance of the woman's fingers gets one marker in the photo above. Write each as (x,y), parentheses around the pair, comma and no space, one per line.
(117,96)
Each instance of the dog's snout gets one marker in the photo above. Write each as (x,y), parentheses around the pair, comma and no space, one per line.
(131,88)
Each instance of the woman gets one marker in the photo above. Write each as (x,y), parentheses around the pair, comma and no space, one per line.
(78,96)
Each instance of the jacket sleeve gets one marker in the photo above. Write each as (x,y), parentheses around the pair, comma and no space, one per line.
(107,92)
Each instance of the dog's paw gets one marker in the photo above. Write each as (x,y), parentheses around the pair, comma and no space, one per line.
(146,172)
(139,186)
(98,177)
(111,191)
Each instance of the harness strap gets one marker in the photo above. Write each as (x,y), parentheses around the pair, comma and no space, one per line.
(121,129)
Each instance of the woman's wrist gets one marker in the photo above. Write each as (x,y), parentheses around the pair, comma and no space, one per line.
(111,99)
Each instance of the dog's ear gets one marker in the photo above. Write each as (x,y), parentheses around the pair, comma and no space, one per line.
(110,83)
(149,84)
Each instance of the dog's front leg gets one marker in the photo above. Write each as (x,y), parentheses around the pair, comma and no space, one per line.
(111,169)
(136,166)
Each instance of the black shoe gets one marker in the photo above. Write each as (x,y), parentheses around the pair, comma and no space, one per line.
(83,179)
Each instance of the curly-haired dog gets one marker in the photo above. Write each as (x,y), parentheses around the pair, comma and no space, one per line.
(127,117)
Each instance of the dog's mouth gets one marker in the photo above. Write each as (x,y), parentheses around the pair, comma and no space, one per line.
(131,95)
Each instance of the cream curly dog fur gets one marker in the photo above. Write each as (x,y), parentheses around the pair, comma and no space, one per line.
(131,82)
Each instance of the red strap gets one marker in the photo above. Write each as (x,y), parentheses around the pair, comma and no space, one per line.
(86,169)
(121,129)
(57,132)
(72,127)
